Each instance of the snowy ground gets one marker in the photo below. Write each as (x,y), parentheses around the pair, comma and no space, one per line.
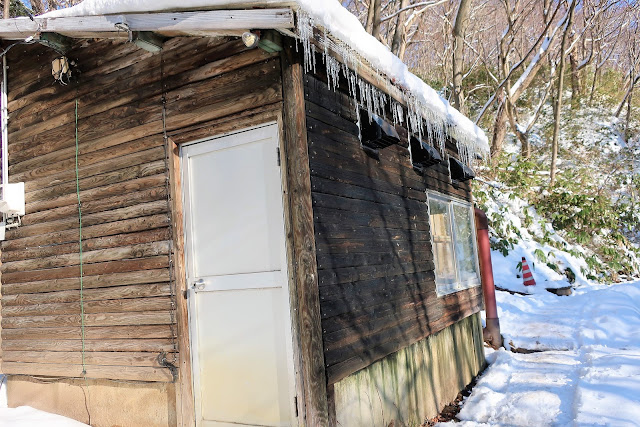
(587,370)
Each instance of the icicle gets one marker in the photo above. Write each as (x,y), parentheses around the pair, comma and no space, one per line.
(420,117)
(358,120)
(333,72)
(305,32)
(398,112)
(325,44)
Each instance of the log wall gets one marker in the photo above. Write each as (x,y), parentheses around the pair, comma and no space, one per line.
(375,264)
(129,295)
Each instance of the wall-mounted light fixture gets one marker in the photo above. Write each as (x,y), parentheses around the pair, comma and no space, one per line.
(250,39)
(60,69)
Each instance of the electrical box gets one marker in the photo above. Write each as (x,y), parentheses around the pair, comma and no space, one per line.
(12,199)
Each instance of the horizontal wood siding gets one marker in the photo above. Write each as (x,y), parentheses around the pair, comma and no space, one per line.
(127,242)
(375,263)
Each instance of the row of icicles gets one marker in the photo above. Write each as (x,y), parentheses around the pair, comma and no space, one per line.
(419,118)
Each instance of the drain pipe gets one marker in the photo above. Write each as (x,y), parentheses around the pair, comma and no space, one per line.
(491,333)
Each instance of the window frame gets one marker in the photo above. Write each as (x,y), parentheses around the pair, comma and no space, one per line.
(447,287)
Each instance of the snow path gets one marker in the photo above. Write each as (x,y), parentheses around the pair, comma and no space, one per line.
(587,372)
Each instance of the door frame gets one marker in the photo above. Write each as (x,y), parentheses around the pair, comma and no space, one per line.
(290,336)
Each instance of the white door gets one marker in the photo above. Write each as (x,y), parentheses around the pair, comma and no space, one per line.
(238,298)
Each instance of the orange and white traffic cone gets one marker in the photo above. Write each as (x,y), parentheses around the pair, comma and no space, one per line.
(527,277)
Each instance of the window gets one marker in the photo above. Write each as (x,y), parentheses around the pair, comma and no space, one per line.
(453,238)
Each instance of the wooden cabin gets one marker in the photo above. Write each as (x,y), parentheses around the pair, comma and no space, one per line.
(216,234)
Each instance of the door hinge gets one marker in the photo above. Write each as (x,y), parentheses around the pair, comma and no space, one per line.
(278,152)
(295,404)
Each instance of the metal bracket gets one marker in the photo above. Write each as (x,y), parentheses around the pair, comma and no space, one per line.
(162,361)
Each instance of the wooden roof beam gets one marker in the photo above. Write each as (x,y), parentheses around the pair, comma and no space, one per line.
(187,23)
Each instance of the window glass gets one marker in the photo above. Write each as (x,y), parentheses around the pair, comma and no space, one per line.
(442,241)
(464,242)
(454,244)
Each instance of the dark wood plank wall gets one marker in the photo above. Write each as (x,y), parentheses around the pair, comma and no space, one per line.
(123,173)
(375,265)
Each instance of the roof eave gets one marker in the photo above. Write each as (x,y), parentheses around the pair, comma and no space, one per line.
(195,23)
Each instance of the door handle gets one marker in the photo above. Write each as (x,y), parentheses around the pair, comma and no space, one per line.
(198,284)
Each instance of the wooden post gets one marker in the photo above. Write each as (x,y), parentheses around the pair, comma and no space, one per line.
(301,240)
(185,411)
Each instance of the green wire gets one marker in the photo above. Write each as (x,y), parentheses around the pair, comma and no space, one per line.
(84,366)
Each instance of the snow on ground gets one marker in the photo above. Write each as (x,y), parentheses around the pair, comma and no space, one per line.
(585,370)
(26,416)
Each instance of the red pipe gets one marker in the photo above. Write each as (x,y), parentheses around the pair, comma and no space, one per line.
(491,333)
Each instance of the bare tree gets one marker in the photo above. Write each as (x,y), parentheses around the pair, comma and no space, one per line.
(459,28)
(399,35)
(558,99)
(632,40)
(507,48)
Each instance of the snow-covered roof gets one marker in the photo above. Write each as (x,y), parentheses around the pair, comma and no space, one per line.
(440,118)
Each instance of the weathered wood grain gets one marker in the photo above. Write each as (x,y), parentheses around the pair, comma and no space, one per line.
(135,224)
(302,242)
(89,282)
(91,358)
(94,319)
(112,293)
(55,344)
(99,306)
(141,250)
(98,218)
(100,268)
(184,391)
(91,333)
(133,373)
(118,240)
(373,243)
(100,180)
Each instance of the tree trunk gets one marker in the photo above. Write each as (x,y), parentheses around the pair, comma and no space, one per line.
(512,115)
(375,29)
(593,85)
(499,131)
(558,104)
(632,83)
(399,35)
(459,28)
(6,11)
(576,90)
(37,7)
(372,8)
(627,135)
